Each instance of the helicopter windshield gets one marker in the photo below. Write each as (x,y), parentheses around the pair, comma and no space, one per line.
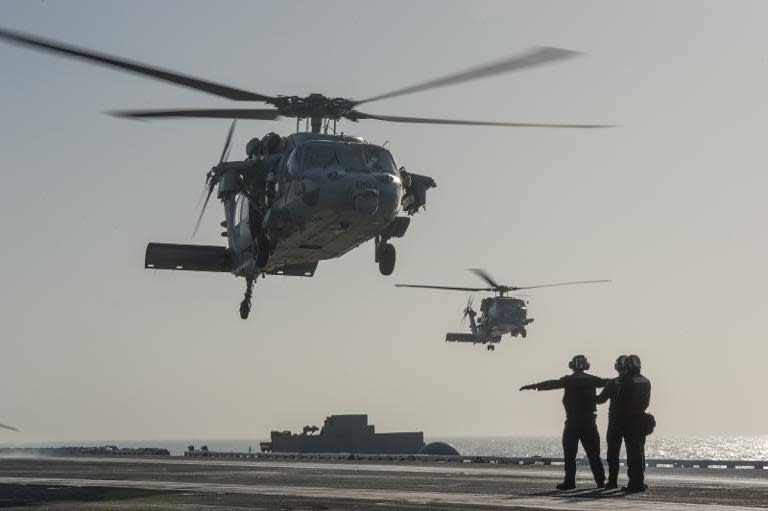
(509,306)
(350,157)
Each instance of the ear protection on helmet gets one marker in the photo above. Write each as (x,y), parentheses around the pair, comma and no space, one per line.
(579,362)
(632,362)
(619,365)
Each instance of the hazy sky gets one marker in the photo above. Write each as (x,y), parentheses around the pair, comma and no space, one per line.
(671,206)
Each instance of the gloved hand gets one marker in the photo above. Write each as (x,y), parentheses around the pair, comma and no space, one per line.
(528,387)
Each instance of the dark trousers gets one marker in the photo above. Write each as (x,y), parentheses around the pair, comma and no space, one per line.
(634,441)
(613,439)
(582,430)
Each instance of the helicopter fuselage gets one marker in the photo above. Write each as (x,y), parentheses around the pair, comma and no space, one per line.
(322,214)
(320,197)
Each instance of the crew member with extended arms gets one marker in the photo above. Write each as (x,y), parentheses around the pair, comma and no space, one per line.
(580,412)
(613,434)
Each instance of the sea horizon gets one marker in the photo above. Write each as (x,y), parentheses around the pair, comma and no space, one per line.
(720,447)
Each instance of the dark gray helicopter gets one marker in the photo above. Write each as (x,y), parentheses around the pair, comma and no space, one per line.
(307,197)
(499,315)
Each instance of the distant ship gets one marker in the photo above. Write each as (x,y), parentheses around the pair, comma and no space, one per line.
(344,433)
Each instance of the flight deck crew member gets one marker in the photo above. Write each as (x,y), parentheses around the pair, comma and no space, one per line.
(633,398)
(580,413)
(613,434)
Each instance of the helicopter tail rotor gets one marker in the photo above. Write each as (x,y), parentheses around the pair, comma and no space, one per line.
(212,177)
(467,310)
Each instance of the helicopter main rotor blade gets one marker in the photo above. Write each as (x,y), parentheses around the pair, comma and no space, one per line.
(424,120)
(266,114)
(132,66)
(533,57)
(485,276)
(10,428)
(559,284)
(449,288)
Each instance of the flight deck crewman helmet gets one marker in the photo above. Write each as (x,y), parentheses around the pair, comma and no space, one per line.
(619,365)
(579,363)
(253,147)
(632,362)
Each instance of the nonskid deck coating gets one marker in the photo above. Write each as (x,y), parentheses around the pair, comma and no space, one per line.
(177,483)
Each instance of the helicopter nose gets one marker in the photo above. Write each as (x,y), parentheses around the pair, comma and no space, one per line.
(367,203)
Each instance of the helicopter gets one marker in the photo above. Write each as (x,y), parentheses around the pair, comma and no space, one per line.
(306,197)
(499,315)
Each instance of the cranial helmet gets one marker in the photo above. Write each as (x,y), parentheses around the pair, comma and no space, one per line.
(579,362)
(619,365)
(632,362)
(273,143)
(253,146)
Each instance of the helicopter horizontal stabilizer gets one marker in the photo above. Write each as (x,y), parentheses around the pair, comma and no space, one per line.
(454,337)
(170,256)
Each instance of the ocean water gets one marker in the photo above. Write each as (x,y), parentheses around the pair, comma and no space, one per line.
(721,447)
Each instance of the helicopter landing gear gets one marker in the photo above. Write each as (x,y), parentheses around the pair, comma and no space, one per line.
(491,347)
(262,251)
(245,305)
(523,333)
(385,256)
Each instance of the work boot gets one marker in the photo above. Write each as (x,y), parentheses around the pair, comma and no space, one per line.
(611,485)
(566,485)
(634,488)
(600,484)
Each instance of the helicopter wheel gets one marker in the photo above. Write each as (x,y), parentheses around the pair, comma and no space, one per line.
(387,256)
(523,333)
(245,305)
(491,347)
(245,309)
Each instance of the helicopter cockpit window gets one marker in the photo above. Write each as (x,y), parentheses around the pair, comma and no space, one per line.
(321,155)
(378,160)
(350,157)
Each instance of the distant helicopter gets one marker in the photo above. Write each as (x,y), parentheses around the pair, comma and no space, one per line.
(499,314)
(307,197)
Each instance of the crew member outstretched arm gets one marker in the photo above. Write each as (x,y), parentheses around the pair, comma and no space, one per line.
(545,385)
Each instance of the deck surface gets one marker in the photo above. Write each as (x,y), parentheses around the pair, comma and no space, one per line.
(208,484)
